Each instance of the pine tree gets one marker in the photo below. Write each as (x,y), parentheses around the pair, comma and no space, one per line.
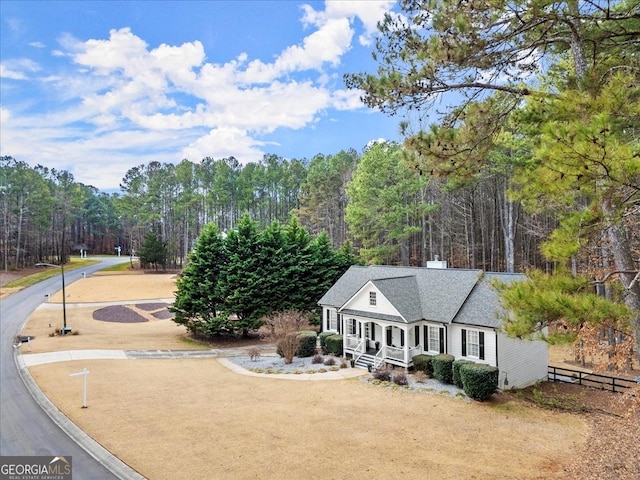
(153,251)
(198,302)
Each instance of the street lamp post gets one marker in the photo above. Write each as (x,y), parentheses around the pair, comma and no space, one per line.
(64,296)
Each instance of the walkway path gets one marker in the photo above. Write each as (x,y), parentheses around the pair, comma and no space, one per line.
(222,354)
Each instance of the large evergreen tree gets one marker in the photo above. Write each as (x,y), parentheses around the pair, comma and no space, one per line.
(385,206)
(244,275)
(231,283)
(199,302)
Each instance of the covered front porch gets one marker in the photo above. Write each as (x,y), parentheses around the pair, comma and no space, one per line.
(374,344)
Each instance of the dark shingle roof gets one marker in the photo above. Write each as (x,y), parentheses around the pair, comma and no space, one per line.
(416,292)
(403,293)
(483,307)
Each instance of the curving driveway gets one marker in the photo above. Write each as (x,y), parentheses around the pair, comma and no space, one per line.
(29,423)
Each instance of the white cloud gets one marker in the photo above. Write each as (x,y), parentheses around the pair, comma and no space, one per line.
(346,99)
(6,72)
(142,81)
(5,114)
(169,102)
(369,13)
(225,142)
(18,68)
(326,45)
(15,24)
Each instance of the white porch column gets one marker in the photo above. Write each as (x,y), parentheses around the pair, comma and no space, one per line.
(405,347)
(343,332)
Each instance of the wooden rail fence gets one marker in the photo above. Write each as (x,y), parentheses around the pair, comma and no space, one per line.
(593,380)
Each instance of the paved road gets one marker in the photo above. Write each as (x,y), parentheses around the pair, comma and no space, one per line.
(25,427)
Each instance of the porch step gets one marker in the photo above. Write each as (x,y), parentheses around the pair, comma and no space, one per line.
(363,365)
(364,361)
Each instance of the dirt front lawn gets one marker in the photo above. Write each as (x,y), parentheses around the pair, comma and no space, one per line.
(195,419)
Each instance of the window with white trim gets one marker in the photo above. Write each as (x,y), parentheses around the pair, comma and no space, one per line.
(351,326)
(473,343)
(372,299)
(333,321)
(434,339)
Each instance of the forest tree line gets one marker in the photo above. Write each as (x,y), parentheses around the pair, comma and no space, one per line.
(389,212)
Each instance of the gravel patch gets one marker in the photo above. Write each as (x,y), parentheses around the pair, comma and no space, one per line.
(118,314)
(150,307)
(274,364)
(162,314)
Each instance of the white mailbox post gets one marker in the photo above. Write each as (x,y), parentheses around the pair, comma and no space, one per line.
(85,374)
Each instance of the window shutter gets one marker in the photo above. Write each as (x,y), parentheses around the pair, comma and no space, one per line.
(339,324)
(416,336)
(389,336)
(441,340)
(481,342)
(426,337)
(401,337)
(464,342)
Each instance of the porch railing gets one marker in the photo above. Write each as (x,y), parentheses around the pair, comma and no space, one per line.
(359,351)
(358,346)
(395,353)
(378,360)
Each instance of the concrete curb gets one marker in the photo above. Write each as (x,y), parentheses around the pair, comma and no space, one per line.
(120,469)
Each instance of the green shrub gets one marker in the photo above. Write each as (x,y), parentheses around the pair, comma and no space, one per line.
(422,363)
(323,340)
(479,381)
(443,367)
(457,381)
(307,345)
(334,344)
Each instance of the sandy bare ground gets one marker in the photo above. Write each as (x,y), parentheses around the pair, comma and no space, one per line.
(130,290)
(195,419)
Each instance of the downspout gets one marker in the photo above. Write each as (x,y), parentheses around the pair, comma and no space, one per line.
(495,332)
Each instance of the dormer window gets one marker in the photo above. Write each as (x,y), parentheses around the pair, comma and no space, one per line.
(372,299)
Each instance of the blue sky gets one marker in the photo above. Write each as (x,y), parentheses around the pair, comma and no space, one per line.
(98,87)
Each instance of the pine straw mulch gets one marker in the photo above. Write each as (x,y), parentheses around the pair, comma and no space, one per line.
(612,450)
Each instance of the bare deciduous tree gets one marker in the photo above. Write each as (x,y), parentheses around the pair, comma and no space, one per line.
(282,328)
